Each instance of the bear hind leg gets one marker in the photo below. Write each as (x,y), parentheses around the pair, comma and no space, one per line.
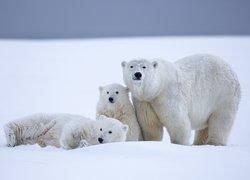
(219,126)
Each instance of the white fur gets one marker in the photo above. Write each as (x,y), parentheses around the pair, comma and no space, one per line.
(199,92)
(62,130)
(120,108)
(111,130)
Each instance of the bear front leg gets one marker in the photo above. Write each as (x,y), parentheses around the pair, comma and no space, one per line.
(173,114)
(179,129)
(152,132)
(201,136)
(175,118)
(83,143)
(152,129)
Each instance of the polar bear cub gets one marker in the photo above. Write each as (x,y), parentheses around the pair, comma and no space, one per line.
(104,130)
(114,102)
(63,130)
(199,92)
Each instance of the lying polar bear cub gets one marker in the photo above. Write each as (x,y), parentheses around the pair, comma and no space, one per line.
(64,130)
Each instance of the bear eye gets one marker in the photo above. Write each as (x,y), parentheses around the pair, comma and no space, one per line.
(101,129)
(117,92)
(110,132)
(107,92)
(131,67)
(144,67)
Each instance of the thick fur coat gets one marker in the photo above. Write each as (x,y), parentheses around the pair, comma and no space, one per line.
(64,130)
(114,102)
(199,92)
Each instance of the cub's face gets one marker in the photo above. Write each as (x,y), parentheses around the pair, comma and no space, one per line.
(113,94)
(110,130)
(136,71)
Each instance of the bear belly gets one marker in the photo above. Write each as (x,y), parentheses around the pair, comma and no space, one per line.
(198,121)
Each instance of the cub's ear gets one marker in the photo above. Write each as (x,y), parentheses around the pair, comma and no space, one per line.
(101,117)
(155,64)
(127,90)
(100,88)
(125,128)
(124,63)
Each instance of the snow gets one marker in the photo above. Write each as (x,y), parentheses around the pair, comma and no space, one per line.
(64,76)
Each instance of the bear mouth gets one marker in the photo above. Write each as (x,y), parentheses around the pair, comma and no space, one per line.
(136,79)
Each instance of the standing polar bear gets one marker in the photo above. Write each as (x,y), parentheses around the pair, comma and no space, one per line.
(199,92)
(63,130)
(114,102)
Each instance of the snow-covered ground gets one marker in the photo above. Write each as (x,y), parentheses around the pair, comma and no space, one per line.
(64,76)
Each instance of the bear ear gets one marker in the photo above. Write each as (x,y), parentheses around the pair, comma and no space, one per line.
(124,63)
(127,89)
(125,128)
(100,88)
(155,64)
(101,117)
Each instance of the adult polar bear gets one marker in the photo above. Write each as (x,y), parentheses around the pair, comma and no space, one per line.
(198,92)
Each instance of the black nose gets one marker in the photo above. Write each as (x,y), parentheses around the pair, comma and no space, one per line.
(100,140)
(138,75)
(111,99)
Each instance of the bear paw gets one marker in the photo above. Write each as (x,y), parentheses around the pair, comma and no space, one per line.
(83,143)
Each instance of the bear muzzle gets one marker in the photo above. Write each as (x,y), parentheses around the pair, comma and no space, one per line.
(100,140)
(137,76)
(111,100)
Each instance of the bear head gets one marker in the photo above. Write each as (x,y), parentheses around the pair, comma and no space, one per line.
(110,130)
(142,78)
(113,94)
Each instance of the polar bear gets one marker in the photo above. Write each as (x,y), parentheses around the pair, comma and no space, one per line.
(114,102)
(62,130)
(199,92)
(111,130)
(104,130)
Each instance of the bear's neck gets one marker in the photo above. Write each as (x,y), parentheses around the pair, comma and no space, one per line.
(144,93)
